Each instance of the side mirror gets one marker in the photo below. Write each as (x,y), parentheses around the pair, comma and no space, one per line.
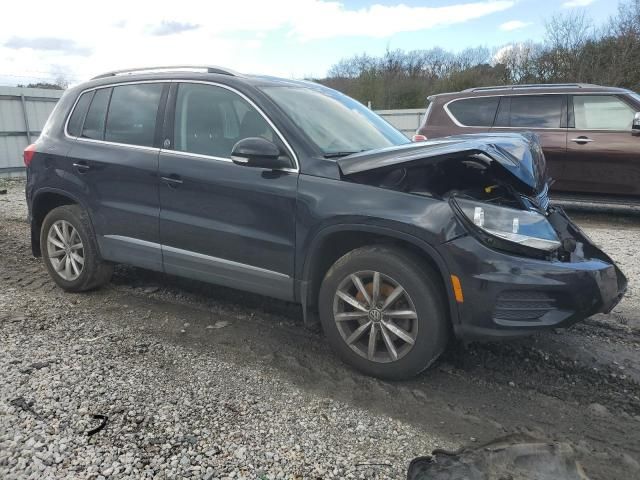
(258,152)
(635,125)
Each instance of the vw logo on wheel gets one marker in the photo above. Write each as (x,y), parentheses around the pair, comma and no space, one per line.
(375,315)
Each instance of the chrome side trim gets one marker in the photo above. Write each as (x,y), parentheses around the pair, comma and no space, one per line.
(240,94)
(180,153)
(223,262)
(135,241)
(207,258)
(116,144)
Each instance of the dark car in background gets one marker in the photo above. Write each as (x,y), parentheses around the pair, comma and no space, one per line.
(590,134)
(292,190)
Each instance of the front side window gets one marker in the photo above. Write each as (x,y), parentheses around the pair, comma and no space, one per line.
(335,123)
(601,112)
(132,114)
(475,112)
(94,123)
(536,111)
(210,120)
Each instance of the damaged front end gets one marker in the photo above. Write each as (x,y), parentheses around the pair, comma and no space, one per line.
(497,187)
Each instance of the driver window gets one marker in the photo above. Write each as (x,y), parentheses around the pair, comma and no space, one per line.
(601,112)
(210,120)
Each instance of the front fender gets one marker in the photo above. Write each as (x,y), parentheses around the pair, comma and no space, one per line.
(315,246)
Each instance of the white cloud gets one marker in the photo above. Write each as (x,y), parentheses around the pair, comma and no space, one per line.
(225,33)
(514,25)
(577,3)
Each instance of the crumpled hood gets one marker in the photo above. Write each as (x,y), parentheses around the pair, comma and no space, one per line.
(519,154)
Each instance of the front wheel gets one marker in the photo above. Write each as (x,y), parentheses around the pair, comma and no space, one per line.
(70,252)
(383,312)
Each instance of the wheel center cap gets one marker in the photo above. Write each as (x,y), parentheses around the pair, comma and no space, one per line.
(375,315)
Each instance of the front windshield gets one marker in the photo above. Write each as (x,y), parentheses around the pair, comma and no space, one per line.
(337,124)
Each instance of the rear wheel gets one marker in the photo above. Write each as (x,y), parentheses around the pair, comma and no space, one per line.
(383,312)
(70,252)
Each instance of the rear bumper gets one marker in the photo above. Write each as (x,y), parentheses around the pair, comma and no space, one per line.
(507,295)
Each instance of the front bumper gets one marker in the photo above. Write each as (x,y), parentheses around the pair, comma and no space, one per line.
(507,295)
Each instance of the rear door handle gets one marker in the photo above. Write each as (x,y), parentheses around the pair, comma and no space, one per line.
(81,166)
(582,140)
(172,180)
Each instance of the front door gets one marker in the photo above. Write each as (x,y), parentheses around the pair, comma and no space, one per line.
(603,155)
(221,222)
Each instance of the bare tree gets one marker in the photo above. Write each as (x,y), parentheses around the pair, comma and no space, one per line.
(573,51)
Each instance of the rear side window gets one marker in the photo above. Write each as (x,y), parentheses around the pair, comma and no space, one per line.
(75,121)
(475,112)
(536,111)
(94,123)
(601,112)
(132,114)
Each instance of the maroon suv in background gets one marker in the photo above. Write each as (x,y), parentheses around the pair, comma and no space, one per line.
(590,134)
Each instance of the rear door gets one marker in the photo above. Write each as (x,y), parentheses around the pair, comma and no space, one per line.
(221,222)
(114,162)
(602,153)
(545,115)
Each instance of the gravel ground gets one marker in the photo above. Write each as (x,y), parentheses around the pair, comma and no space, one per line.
(206,382)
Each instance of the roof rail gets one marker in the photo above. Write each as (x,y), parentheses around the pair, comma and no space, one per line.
(207,69)
(531,85)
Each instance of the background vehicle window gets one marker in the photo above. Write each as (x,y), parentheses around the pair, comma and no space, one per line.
(604,112)
(132,114)
(475,112)
(211,120)
(75,122)
(94,123)
(541,111)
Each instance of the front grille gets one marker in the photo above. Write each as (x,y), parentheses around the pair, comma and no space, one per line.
(523,306)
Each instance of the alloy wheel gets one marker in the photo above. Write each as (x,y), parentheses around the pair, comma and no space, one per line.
(65,250)
(375,316)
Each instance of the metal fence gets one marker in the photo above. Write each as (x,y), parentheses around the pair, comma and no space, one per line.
(407,121)
(23,113)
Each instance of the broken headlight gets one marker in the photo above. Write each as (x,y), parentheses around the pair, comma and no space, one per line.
(519,227)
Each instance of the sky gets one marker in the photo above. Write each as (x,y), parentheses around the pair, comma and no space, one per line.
(78,39)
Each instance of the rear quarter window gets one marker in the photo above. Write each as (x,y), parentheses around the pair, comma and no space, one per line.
(94,123)
(474,112)
(74,128)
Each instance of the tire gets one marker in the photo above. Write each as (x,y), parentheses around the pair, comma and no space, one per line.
(429,330)
(94,272)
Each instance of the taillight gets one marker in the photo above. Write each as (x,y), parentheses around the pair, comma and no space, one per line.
(28,154)
(418,138)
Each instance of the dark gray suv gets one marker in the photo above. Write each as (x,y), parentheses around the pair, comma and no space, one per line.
(295,191)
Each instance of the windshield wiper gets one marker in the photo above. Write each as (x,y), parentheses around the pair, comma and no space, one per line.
(340,154)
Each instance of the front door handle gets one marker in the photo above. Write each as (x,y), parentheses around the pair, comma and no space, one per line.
(172,180)
(81,166)
(582,140)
